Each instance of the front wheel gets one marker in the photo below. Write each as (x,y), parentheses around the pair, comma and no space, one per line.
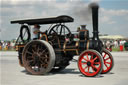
(90,63)
(108,61)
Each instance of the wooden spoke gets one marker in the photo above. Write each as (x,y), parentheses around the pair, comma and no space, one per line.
(91,57)
(94,58)
(96,62)
(86,67)
(84,62)
(104,55)
(108,62)
(106,65)
(87,56)
(85,59)
(106,59)
(94,67)
(29,52)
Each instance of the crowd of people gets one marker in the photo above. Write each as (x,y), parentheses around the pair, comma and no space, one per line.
(119,44)
(7,45)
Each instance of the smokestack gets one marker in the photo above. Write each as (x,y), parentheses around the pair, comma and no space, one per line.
(95,7)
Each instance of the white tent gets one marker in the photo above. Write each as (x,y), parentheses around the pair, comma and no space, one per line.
(112,37)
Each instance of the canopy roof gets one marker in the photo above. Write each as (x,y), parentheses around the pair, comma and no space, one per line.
(52,20)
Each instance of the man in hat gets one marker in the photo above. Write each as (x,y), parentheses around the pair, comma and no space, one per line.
(36,31)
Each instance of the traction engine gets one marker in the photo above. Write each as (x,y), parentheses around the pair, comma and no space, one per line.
(56,47)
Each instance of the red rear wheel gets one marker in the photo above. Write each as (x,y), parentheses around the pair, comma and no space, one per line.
(90,63)
(108,61)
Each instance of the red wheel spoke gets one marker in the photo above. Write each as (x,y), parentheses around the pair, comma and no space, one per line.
(95,58)
(91,57)
(93,70)
(106,65)
(96,62)
(108,62)
(84,62)
(106,58)
(104,55)
(85,59)
(94,67)
(86,67)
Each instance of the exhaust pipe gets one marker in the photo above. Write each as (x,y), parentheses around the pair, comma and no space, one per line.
(95,7)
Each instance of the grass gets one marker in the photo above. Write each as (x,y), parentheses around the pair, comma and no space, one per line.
(115,49)
(8,50)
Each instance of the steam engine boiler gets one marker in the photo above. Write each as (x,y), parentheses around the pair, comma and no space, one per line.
(94,42)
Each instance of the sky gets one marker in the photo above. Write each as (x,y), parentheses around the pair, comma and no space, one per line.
(113,15)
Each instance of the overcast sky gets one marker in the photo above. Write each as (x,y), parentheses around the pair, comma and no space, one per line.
(113,15)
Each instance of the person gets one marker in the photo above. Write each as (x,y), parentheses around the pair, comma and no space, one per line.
(108,44)
(78,29)
(121,45)
(126,45)
(116,44)
(36,31)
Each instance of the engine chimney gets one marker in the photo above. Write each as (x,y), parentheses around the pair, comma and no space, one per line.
(95,8)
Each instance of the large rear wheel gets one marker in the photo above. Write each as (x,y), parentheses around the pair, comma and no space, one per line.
(90,63)
(38,57)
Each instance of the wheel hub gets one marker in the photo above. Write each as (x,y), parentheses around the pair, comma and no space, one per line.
(89,63)
(36,56)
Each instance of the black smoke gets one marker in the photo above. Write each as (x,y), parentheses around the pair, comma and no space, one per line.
(82,11)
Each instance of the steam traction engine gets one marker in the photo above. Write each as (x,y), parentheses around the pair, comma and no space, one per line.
(55,47)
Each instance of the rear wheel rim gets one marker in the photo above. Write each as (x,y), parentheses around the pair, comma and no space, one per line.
(108,61)
(36,58)
(90,63)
